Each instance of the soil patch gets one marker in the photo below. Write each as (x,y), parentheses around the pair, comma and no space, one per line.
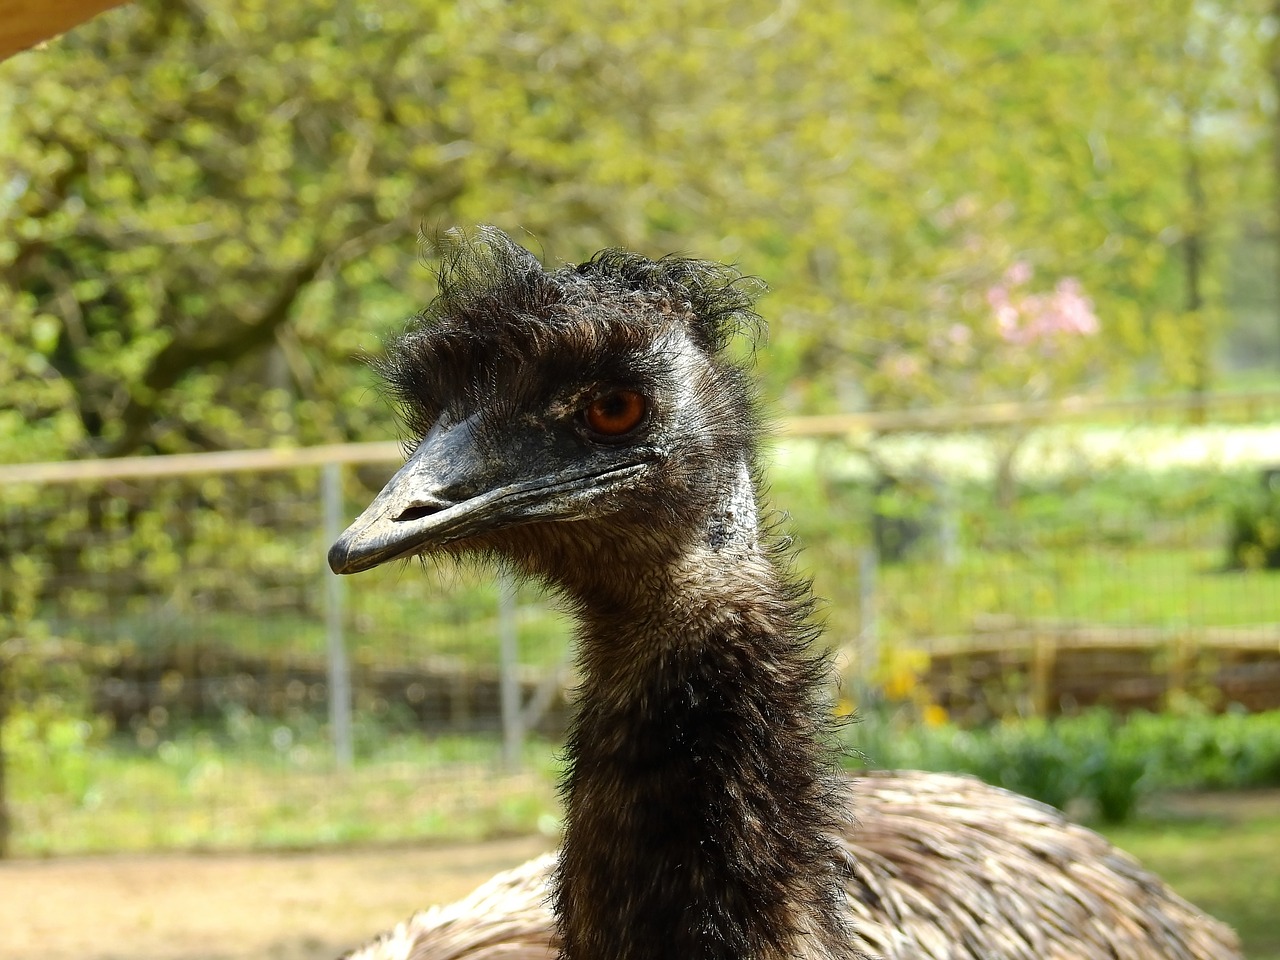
(286,906)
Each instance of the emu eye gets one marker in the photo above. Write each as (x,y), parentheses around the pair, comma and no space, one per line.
(616,414)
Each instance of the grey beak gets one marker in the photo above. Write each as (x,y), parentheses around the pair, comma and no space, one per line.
(428,502)
(451,488)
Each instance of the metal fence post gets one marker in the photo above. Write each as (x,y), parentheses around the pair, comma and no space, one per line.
(334,617)
(508,679)
(869,629)
(948,523)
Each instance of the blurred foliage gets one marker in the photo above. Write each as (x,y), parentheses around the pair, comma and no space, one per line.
(246,542)
(1254,536)
(47,726)
(238,784)
(209,208)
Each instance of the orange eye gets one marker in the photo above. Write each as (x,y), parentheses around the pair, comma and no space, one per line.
(618,413)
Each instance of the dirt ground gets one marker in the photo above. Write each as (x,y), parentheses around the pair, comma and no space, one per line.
(232,907)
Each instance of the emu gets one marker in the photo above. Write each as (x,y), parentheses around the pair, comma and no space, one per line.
(587,427)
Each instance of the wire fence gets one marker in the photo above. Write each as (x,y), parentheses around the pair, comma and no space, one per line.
(178,668)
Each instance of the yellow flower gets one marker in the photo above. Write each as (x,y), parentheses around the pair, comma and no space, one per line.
(934,715)
(899,684)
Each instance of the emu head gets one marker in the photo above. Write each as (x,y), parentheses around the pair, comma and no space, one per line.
(564,418)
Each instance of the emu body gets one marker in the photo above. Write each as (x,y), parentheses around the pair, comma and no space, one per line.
(946,868)
(586,428)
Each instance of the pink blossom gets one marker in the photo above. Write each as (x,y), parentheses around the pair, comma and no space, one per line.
(901,366)
(1018,274)
(1073,309)
(1041,319)
(1007,322)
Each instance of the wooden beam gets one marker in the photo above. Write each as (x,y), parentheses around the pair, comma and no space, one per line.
(1068,409)
(185,464)
(24,23)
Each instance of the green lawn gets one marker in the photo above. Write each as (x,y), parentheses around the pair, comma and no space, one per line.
(395,614)
(199,793)
(1226,861)
(1114,586)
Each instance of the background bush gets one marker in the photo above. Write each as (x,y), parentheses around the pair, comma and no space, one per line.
(1104,763)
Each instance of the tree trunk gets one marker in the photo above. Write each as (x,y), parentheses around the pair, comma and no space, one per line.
(5,823)
(1193,254)
(1008,443)
(1273,64)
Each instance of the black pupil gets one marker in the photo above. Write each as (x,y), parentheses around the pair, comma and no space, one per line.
(615,406)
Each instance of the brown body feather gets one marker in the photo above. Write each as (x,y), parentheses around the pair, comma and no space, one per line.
(946,868)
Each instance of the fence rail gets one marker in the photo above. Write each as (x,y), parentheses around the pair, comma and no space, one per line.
(1263,638)
(188,464)
(1042,671)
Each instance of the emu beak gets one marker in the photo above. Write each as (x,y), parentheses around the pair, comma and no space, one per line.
(451,488)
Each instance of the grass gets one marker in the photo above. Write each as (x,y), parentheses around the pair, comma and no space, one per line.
(199,793)
(1169,587)
(1224,862)
(1115,550)
(417,614)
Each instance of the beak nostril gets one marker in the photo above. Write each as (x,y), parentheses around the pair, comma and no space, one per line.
(417,512)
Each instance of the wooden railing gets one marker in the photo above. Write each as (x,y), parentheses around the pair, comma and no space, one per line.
(1124,668)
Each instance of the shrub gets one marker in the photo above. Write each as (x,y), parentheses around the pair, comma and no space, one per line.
(1108,762)
(1203,750)
(1253,537)
(1029,757)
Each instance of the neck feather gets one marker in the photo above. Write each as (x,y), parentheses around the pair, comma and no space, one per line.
(701,798)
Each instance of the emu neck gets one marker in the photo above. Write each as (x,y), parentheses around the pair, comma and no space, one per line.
(700,798)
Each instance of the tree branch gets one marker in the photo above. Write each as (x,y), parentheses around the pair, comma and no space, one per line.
(224,342)
(223,339)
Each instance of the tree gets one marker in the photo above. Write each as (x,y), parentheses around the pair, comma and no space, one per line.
(208,209)
(924,150)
